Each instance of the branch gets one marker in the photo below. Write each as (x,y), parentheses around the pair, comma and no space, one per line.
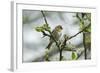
(79,32)
(51,53)
(49,31)
(51,36)
(45,34)
(44,17)
(55,40)
(63,46)
(78,17)
(84,43)
(84,36)
(65,40)
(80,54)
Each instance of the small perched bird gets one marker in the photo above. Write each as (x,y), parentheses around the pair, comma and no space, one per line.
(56,34)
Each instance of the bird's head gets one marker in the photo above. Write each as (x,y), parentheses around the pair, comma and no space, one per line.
(58,28)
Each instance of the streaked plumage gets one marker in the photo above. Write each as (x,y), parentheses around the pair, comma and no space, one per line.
(56,34)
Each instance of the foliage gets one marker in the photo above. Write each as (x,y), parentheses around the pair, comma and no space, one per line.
(74,55)
(82,17)
(42,28)
(86,38)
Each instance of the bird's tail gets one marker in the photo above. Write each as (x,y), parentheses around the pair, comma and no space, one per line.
(49,45)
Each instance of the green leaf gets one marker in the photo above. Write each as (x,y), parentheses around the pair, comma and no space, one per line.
(74,55)
(39,29)
(46,27)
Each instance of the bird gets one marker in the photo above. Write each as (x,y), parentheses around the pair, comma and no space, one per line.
(56,33)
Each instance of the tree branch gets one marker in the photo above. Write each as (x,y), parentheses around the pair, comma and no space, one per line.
(79,32)
(51,53)
(63,46)
(80,54)
(51,36)
(60,48)
(44,17)
(49,31)
(45,34)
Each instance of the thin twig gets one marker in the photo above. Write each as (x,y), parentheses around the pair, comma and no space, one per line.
(45,34)
(55,40)
(49,31)
(51,53)
(80,54)
(44,17)
(51,35)
(79,32)
(62,47)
